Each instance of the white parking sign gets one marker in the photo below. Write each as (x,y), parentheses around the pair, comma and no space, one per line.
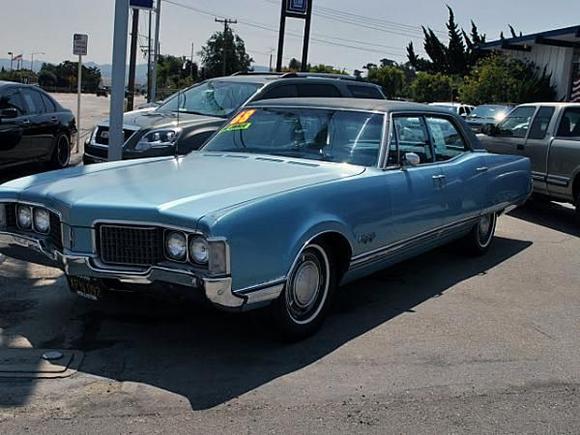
(80,43)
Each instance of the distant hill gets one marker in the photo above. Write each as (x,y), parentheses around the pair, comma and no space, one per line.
(140,70)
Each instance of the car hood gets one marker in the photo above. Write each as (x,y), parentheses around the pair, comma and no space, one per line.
(169,190)
(149,119)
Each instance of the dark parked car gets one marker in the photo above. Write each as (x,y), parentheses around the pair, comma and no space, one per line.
(487,115)
(185,121)
(33,127)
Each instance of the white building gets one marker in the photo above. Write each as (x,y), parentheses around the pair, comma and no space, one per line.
(558,50)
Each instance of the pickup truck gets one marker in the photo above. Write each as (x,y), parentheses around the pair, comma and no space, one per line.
(549,134)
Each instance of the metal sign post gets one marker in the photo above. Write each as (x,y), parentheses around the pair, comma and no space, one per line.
(80,45)
(116,138)
(301,9)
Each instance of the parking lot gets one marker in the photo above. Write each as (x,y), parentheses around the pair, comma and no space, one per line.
(442,343)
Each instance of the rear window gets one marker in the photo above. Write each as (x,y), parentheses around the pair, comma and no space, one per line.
(314,90)
(372,92)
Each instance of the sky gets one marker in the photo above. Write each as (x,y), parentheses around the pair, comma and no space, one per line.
(384,26)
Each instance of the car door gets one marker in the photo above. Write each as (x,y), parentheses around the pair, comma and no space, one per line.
(509,137)
(415,191)
(14,132)
(41,131)
(536,146)
(464,171)
(564,155)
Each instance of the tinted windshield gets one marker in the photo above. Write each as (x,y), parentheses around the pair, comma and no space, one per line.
(317,134)
(487,111)
(212,98)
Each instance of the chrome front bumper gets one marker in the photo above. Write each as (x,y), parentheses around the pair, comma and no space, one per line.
(217,290)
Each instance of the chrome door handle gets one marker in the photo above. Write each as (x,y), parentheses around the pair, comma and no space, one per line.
(438,177)
(482,169)
(26,122)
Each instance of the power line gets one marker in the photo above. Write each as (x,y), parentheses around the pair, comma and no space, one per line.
(319,38)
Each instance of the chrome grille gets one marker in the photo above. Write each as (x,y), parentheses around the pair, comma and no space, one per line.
(102,135)
(130,245)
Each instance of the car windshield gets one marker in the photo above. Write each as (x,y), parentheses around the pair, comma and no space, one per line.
(488,111)
(211,98)
(339,136)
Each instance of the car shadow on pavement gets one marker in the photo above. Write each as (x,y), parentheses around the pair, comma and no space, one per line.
(211,357)
(549,214)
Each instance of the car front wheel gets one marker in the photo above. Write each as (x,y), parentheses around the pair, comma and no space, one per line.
(301,308)
(61,154)
(480,238)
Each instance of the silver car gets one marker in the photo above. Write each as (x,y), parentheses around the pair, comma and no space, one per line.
(549,134)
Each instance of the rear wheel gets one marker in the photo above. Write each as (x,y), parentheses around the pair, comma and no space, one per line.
(61,154)
(301,308)
(480,238)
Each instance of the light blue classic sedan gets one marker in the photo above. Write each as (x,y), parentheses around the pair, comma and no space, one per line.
(289,200)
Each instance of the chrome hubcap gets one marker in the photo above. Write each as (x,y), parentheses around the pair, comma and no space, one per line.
(485,229)
(308,285)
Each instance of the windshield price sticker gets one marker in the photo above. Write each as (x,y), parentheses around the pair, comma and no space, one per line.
(242,117)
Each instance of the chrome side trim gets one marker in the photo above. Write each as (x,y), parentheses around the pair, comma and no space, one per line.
(558,180)
(383,251)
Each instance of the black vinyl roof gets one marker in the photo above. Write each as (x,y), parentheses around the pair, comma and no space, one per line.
(348,103)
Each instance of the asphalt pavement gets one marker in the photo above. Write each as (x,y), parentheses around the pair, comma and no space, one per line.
(439,344)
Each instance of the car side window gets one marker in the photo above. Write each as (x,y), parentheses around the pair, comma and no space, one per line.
(11,99)
(280,91)
(48,103)
(517,123)
(410,137)
(541,122)
(313,90)
(33,101)
(371,92)
(447,141)
(570,124)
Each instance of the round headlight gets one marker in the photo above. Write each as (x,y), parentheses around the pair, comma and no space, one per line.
(24,217)
(198,250)
(41,220)
(176,246)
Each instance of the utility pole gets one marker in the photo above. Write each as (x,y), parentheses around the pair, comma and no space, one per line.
(132,60)
(32,59)
(191,65)
(306,44)
(282,32)
(149,59)
(156,55)
(11,53)
(225,48)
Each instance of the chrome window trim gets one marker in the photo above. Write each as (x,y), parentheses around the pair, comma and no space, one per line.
(424,115)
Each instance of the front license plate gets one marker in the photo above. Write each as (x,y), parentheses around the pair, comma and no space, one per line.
(85,287)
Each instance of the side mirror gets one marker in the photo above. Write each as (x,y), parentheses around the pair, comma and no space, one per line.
(411,159)
(9,113)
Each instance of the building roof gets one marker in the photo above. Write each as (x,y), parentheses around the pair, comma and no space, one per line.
(565,37)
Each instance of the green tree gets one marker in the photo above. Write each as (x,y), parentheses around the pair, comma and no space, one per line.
(458,57)
(427,87)
(175,73)
(391,78)
(503,79)
(212,54)
(328,69)
(64,75)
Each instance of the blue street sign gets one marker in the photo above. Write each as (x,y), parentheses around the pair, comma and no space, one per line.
(297,6)
(143,4)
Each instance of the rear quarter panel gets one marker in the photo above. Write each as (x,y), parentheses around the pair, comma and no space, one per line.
(509,180)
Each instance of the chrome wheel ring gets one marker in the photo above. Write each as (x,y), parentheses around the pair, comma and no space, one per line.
(307,287)
(486,229)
